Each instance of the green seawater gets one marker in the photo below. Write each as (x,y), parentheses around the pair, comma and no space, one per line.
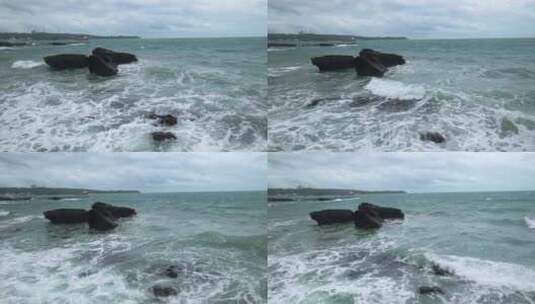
(215,87)
(463,89)
(486,239)
(217,240)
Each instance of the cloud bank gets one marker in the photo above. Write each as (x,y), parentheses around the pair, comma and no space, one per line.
(413,172)
(411,18)
(147,18)
(147,172)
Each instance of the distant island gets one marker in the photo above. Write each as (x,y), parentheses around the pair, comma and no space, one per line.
(283,194)
(56,36)
(309,39)
(14,192)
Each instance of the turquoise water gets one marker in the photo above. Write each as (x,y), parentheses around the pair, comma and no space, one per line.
(215,87)
(486,239)
(218,239)
(463,89)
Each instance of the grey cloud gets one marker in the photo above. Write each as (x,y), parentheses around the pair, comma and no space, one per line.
(150,172)
(412,18)
(415,172)
(150,18)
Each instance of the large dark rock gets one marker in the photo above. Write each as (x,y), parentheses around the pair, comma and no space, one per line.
(430,290)
(333,216)
(369,67)
(387,60)
(384,212)
(116,212)
(163,136)
(166,120)
(334,62)
(432,136)
(115,57)
(100,220)
(101,66)
(163,291)
(368,219)
(67,61)
(66,216)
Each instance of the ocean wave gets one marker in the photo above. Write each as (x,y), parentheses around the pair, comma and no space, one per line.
(530,222)
(395,90)
(277,72)
(4,213)
(26,64)
(20,220)
(488,273)
(6,48)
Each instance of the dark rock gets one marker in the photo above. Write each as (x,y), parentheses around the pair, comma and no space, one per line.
(274,44)
(432,136)
(167,120)
(102,66)
(326,44)
(367,219)
(334,62)
(163,136)
(116,212)
(441,271)
(100,220)
(430,289)
(115,57)
(11,44)
(8,198)
(384,212)
(66,216)
(315,102)
(333,216)
(387,60)
(163,291)
(58,43)
(67,61)
(280,199)
(369,66)
(171,271)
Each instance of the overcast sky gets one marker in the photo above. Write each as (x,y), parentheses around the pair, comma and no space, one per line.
(411,18)
(147,172)
(147,18)
(413,172)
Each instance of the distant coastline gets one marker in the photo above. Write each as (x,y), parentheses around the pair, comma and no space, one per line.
(309,39)
(275,192)
(34,191)
(56,36)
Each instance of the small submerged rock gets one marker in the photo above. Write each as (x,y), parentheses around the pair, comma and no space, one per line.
(433,136)
(430,290)
(163,291)
(166,120)
(439,271)
(163,136)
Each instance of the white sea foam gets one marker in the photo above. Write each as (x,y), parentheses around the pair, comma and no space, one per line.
(276,72)
(5,48)
(395,89)
(530,222)
(488,273)
(4,213)
(26,64)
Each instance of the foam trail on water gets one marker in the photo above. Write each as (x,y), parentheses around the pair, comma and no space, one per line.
(4,213)
(395,89)
(26,64)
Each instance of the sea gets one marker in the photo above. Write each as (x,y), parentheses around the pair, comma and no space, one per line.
(216,240)
(215,87)
(487,240)
(479,94)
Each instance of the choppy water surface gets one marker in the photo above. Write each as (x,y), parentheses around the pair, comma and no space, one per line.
(215,87)
(480,94)
(216,240)
(486,239)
